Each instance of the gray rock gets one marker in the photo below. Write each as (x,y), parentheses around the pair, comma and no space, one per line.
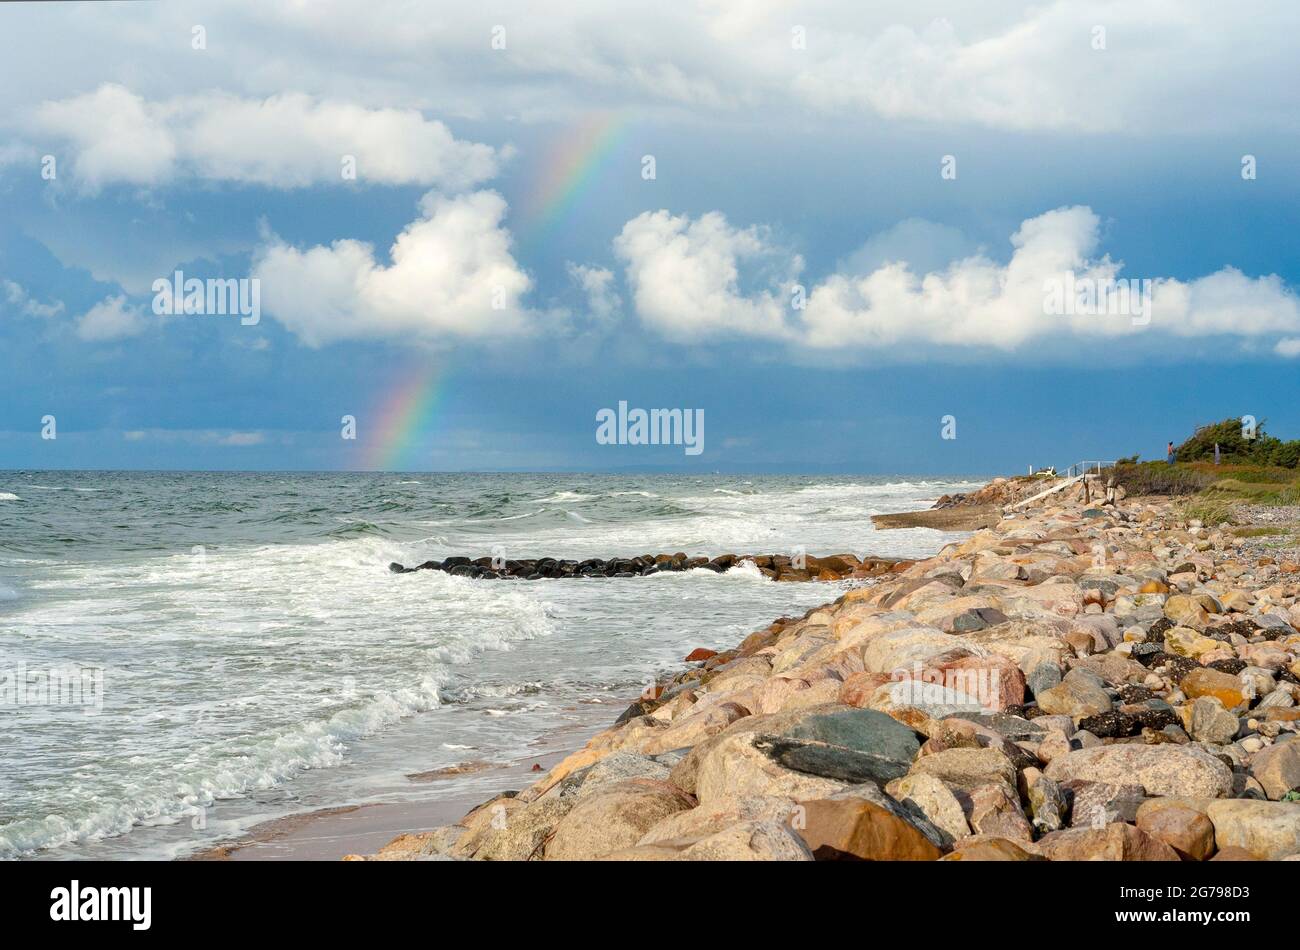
(1165,769)
(1043,677)
(1097,804)
(1081,693)
(1211,723)
(851,745)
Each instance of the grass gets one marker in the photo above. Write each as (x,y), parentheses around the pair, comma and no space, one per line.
(1208,511)
(1261,531)
(1254,474)
(1158,478)
(1254,493)
(1214,485)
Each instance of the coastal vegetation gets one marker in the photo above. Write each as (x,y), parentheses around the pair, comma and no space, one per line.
(1251,471)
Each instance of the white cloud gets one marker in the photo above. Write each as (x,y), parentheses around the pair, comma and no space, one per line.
(110,319)
(1005,64)
(684,276)
(452,276)
(18,298)
(924,245)
(284,141)
(114,137)
(598,284)
(241,438)
(1288,347)
(227,438)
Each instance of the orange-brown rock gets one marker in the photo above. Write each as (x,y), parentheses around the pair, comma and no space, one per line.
(1115,842)
(1234,853)
(1224,687)
(1186,830)
(991,849)
(855,829)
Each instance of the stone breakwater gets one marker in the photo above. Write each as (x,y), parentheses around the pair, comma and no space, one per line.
(778,567)
(1106,683)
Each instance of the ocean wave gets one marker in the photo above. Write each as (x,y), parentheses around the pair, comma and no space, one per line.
(8,496)
(259,764)
(565,496)
(355,528)
(293,594)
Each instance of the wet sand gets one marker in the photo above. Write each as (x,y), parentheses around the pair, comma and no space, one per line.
(331,833)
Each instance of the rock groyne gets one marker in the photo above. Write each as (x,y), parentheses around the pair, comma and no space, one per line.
(778,567)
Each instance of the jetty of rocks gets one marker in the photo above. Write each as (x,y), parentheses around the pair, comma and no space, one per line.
(1105,682)
(778,567)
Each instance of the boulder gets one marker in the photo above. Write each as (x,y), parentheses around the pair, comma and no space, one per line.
(418,846)
(513,835)
(613,818)
(1211,723)
(1079,694)
(737,766)
(1186,830)
(699,723)
(1186,642)
(712,817)
(995,810)
(856,829)
(753,840)
(935,800)
(968,768)
(1186,611)
(991,849)
(1277,768)
(1046,802)
(1228,689)
(1268,830)
(1160,769)
(851,745)
(898,649)
(1097,804)
(1115,842)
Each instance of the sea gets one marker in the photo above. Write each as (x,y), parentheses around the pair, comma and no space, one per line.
(185,655)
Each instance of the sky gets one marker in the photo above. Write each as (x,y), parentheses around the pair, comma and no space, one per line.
(842,237)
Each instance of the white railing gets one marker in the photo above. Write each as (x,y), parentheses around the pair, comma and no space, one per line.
(1088,466)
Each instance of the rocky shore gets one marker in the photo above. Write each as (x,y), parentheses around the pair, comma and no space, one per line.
(1079,681)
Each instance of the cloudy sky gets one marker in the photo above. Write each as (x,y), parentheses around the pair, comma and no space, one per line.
(828,225)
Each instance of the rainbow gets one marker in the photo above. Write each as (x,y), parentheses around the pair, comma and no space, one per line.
(568,171)
(402,420)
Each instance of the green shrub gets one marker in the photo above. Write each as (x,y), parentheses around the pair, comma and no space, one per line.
(1264,449)
(1159,478)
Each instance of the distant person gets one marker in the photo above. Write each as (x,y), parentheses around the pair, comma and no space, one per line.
(1216,453)
(1169,453)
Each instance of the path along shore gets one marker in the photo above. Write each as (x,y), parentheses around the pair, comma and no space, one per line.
(1077,681)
